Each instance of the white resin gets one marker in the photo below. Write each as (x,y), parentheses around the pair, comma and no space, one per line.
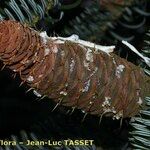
(30,79)
(37,94)
(75,39)
(146,59)
(119,70)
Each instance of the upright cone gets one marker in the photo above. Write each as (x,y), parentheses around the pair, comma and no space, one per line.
(73,74)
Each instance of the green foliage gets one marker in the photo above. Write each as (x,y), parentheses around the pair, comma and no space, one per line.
(70,6)
(146,52)
(140,134)
(92,23)
(96,24)
(26,11)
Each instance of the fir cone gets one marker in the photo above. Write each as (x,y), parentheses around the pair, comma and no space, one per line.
(72,74)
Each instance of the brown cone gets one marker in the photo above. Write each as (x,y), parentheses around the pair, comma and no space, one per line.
(73,75)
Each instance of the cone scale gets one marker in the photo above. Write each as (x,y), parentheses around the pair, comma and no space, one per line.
(72,74)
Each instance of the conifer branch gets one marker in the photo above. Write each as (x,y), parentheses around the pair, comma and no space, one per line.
(139,135)
(29,11)
(100,23)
